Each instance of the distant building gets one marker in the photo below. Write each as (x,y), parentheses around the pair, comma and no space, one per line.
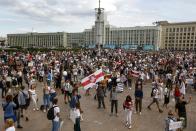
(41,40)
(177,36)
(131,37)
(3,41)
(125,37)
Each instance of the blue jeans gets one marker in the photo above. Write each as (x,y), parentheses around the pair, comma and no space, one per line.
(46,100)
(55,125)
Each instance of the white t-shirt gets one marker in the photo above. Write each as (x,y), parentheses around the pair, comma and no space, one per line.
(169,76)
(56,110)
(20,73)
(77,113)
(32,92)
(156,93)
(64,73)
(75,72)
(142,76)
(182,88)
(10,129)
(52,90)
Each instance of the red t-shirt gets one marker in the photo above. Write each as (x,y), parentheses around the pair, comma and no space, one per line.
(128,105)
(177,93)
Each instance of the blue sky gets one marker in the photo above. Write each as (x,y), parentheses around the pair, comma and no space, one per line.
(20,16)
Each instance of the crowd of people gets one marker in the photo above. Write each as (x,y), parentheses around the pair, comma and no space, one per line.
(172,75)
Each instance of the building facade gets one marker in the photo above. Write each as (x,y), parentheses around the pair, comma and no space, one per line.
(177,36)
(3,41)
(165,35)
(75,40)
(40,40)
(131,37)
(125,37)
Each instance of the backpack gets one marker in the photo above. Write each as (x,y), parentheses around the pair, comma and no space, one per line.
(14,82)
(50,114)
(15,100)
(27,99)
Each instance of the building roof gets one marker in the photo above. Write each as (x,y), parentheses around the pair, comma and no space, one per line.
(166,23)
(36,33)
(134,28)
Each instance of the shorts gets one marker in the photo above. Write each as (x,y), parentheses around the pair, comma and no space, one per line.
(10,117)
(67,93)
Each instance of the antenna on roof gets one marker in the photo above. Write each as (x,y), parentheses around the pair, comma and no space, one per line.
(99,4)
(99,9)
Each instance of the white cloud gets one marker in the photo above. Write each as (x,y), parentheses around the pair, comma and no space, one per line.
(76,15)
(7,20)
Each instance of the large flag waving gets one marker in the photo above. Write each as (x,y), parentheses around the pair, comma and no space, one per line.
(92,79)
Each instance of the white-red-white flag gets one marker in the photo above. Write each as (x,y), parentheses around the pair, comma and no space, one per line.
(134,73)
(91,80)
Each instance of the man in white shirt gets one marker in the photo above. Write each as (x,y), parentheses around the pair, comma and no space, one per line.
(169,80)
(56,120)
(155,95)
(183,87)
(75,73)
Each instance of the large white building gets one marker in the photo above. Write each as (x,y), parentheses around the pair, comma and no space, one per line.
(125,37)
(41,40)
(177,36)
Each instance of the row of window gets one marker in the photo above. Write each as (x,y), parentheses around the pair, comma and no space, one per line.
(177,34)
(130,42)
(179,45)
(180,37)
(37,44)
(180,41)
(185,29)
(171,48)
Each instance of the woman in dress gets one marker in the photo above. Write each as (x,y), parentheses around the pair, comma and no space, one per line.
(160,85)
(33,96)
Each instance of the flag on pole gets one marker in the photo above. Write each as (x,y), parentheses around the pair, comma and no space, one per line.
(134,73)
(92,79)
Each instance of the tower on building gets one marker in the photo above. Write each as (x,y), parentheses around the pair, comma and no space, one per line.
(99,26)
